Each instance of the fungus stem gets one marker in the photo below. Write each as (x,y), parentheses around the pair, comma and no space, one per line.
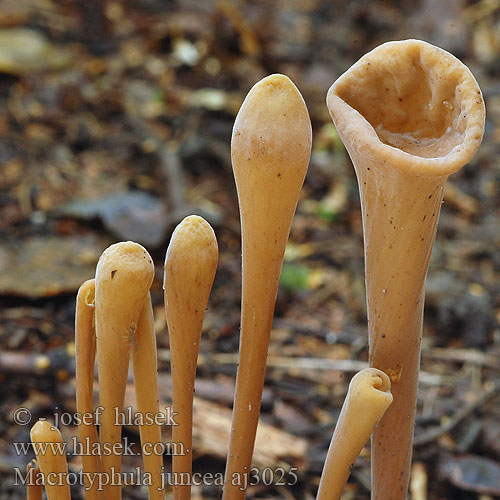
(85,343)
(270,149)
(123,277)
(51,458)
(367,400)
(145,366)
(35,487)
(410,114)
(190,266)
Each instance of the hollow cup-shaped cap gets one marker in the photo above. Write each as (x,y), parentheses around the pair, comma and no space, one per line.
(412,105)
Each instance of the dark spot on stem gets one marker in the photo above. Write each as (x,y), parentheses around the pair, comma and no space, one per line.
(113,273)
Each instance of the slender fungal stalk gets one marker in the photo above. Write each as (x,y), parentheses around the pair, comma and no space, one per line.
(145,366)
(35,486)
(51,458)
(190,266)
(367,400)
(85,362)
(409,114)
(270,149)
(123,277)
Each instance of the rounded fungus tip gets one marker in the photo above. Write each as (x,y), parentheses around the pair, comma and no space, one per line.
(193,233)
(192,249)
(44,432)
(87,291)
(272,128)
(276,81)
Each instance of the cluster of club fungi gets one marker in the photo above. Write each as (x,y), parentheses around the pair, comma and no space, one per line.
(410,114)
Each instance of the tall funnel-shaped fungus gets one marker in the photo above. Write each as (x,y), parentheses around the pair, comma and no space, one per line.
(409,114)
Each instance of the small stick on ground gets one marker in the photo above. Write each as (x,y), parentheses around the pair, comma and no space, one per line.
(436,432)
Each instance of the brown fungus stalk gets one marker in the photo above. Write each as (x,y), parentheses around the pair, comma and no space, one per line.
(190,266)
(85,344)
(367,400)
(35,480)
(409,114)
(123,277)
(145,366)
(270,150)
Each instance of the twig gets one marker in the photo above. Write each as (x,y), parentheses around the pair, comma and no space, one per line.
(436,432)
(170,163)
(288,363)
(171,167)
(55,362)
(463,356)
